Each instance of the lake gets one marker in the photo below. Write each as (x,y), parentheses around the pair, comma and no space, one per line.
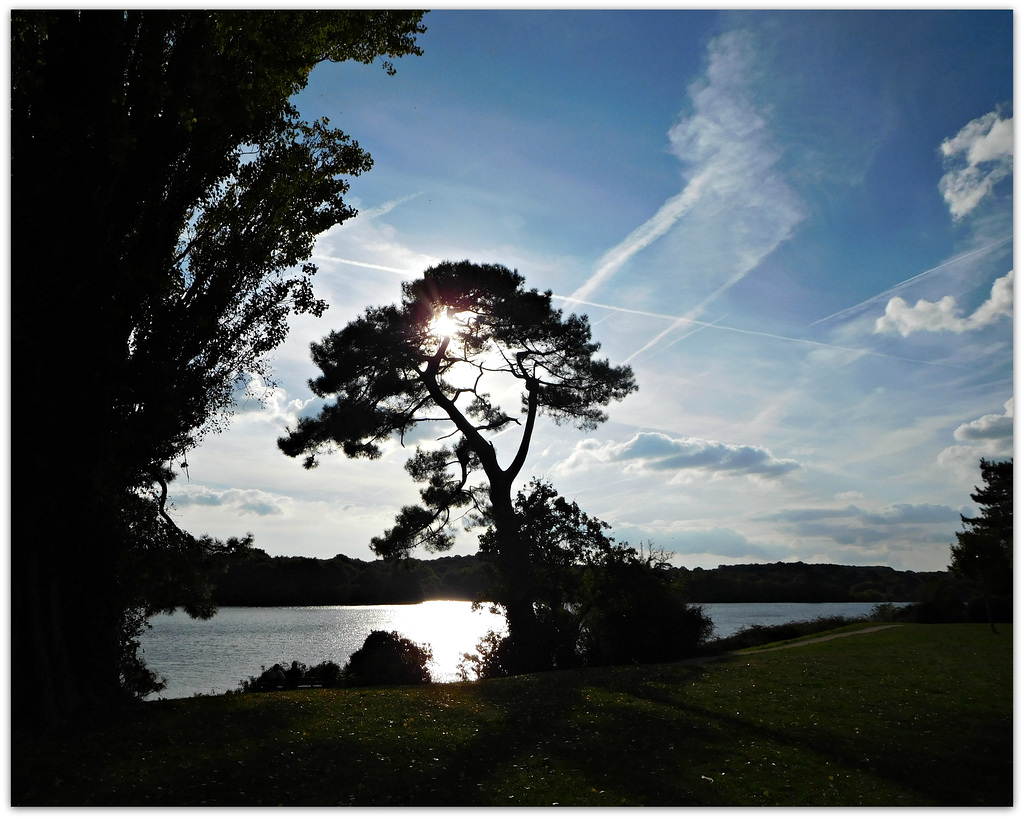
(213,656)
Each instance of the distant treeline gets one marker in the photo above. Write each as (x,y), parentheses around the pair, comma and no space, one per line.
(807,583)
(262,580)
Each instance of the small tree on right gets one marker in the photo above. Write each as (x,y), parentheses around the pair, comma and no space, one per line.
(983,553)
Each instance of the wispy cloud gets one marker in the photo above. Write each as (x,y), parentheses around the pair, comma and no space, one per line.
(976,159)
(730,161)
(943,314)
(658,225)
(387,207)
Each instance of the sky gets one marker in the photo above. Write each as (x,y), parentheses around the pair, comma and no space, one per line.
(796,227)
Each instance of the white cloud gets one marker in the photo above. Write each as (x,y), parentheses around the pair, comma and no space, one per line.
(976,159)
(989,427)
(262,403)
(943,314)
(990,436)
(654,451)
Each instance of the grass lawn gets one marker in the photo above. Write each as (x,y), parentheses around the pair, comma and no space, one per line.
(911,715)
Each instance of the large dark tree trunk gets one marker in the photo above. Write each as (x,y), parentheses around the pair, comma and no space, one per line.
(65,615)
(63,592)
(513,562)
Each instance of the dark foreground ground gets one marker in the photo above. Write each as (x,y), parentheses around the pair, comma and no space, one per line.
(911,715)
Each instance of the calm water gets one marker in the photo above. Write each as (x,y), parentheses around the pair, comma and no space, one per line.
(213,656)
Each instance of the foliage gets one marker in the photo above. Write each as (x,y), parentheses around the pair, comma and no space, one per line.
(493,658)
(328,674)
(559,541)
(908,716)
(940,603)
(388,658)
(162,148)
(388,369)
(258,579)
(460,331)
(983,553)
(800,582)
(760,635)
(883,613)
(596,602)
(637,613)
(254,578)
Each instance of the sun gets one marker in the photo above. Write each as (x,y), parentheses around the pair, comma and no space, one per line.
(443,325)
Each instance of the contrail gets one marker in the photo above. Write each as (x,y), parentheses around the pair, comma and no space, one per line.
(850,310)
(690,317)
(387,207)
(658,225)
(370,265)
(679,320)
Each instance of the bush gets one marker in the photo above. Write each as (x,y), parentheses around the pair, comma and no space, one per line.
(883,613)
(328,673)
(753,636)
(387,658)
(941,603)
(493,658)
(639,615)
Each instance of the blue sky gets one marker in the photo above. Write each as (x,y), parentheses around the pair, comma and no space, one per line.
(796,227)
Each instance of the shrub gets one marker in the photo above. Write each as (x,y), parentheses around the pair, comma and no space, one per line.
(639,615)
(883,613)
(327,672)
(387,658)
(495,657)
(757,635)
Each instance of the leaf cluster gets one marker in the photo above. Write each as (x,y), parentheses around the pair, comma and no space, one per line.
(983,553)
(394,369)
(165,196)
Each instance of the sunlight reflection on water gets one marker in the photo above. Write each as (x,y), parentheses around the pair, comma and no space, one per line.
(213,656)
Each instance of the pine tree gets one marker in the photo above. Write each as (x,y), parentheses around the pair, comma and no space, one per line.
(983,553)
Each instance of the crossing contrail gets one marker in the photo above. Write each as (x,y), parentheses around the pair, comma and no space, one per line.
(850,310)
(680,320)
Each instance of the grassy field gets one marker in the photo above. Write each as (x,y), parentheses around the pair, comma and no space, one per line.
(910,715)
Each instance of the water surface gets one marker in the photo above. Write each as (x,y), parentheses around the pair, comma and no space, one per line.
(213,656)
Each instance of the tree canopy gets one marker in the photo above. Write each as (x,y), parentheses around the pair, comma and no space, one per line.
(459,332)
(983,553)
(431,360)
(165,195)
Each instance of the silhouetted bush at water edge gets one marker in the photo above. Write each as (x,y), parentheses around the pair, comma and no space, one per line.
(757,635)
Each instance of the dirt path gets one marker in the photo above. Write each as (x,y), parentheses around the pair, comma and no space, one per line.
(733,654)
(824,639)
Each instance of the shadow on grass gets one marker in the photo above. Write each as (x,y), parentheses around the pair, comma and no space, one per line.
(657,735)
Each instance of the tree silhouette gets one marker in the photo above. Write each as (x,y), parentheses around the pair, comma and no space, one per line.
(459,331)
(561,543)
(983,553)
(163,191)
